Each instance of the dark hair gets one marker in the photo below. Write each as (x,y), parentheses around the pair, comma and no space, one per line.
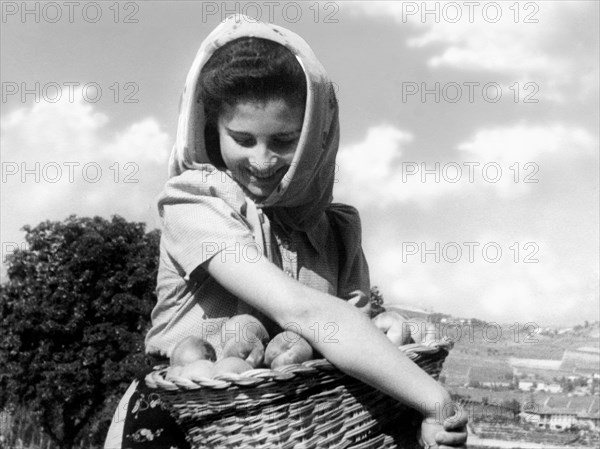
(246,69)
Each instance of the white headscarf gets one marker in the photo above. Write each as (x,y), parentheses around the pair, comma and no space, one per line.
(305,191)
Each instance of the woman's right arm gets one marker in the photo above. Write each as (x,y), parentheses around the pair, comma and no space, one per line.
(357,348)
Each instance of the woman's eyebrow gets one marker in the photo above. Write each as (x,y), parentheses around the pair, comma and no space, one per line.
(233,131)
(289,133)
(282,134)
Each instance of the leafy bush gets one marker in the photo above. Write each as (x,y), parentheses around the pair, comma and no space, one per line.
(73,316)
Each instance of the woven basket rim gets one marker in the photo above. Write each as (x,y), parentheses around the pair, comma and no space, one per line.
(156,379)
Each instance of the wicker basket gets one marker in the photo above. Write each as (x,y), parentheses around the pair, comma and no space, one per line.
(312,405)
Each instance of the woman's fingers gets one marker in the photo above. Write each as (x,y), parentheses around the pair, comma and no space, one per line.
(451,439)
(458,421)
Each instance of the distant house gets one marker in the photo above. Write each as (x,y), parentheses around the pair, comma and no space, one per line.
(525,385)
(582,391)
(554,419)
(550,388)
(559,413)
(496,384)
(554,388)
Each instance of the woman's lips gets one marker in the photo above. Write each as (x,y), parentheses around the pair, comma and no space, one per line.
(268,176)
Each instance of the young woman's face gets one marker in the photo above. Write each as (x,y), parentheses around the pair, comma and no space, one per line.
(258,141)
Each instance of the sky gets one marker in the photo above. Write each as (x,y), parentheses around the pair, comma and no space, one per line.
(469,135)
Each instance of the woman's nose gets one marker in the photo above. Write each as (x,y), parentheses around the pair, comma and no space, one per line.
(262,156)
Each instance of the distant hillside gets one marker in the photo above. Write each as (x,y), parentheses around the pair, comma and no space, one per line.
(487,352)
(581,359)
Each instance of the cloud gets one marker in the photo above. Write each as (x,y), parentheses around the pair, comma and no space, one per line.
(548,43)
(546,290)
(520,150)
(527,142)
(501,160)
(142,141)
(374,173)
(61,158)
(367,169)
(553,215)
(75,130)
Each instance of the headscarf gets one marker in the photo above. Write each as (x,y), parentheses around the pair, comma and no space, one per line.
(305,191)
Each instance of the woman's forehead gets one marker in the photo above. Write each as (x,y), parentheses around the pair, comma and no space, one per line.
(271,115)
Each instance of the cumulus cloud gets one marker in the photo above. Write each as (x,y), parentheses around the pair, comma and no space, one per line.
(520,150)
(61,158)
(75,130)
(375,173)
(526,142)
(141,141)
(502,160)
(532,42)
(374,176)
(367,169)
(544,289)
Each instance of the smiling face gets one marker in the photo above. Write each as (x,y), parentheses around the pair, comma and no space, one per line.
(258,140)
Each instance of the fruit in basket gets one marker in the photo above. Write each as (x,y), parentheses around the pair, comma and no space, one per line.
(395,326)
(287,348)
(231,365)
(173,372)
(243,328)
(190,349)
(251,352)
(198,370)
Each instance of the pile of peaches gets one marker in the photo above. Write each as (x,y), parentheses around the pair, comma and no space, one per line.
(246,345)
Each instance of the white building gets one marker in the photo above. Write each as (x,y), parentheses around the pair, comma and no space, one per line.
(554,419)
(525,385)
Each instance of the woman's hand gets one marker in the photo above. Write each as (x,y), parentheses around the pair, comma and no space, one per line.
(451,434)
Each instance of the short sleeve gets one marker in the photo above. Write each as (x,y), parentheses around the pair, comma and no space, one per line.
(202,216)
(353,271)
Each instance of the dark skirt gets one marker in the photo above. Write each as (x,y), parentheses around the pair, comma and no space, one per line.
(148,423)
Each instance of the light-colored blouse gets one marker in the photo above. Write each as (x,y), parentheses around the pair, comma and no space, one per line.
(205,214)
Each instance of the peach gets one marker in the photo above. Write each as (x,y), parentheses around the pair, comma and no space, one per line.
(251,352)
(287,348)
(190,349)
(198,370)
(395,326)
(231,365)
(173,371)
